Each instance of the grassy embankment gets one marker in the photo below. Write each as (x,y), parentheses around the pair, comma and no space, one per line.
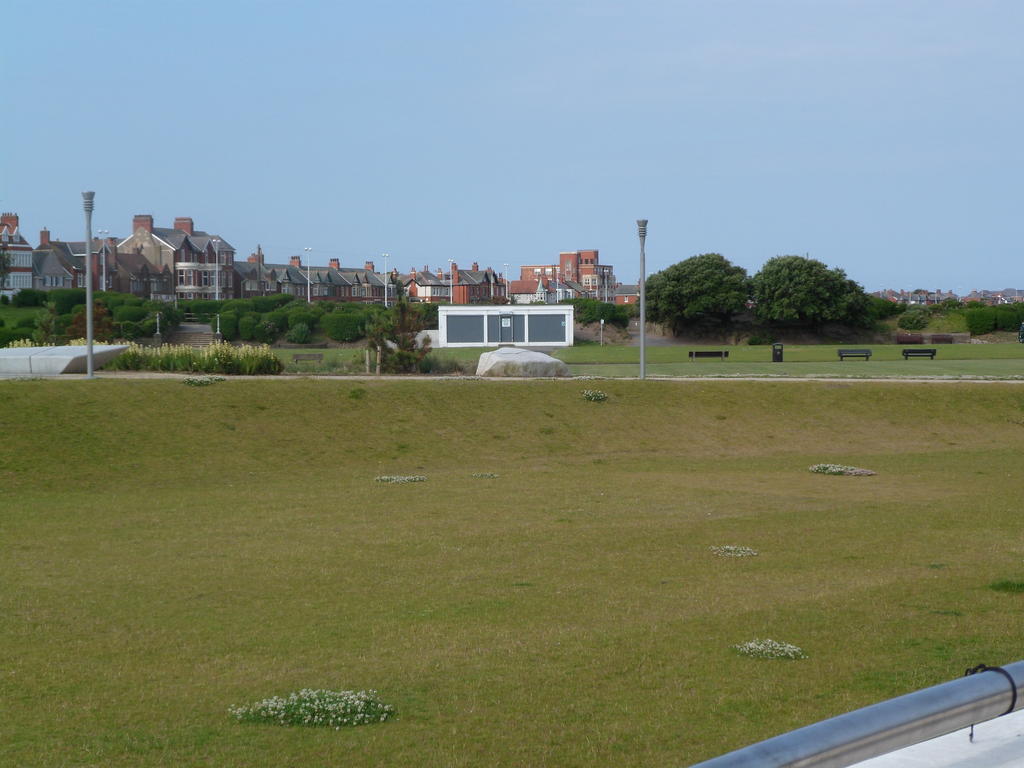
(171,551)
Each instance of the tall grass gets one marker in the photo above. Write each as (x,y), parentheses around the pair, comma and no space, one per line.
(216,358)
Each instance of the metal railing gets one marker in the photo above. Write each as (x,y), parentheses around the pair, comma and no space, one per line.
(889,725)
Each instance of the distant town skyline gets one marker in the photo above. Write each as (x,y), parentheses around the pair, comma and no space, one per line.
(877,137)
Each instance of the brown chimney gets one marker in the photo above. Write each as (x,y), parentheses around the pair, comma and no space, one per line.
(295,261)
(253,258)
(44,237)
(476,267)
(9,220)
(412,272)
(440,274)
(142,221)
(184,223)
(369,265)
(455,272)
(334,263)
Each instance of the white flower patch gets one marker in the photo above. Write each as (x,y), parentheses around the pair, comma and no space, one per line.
(732,550)
(202,381)
(317,708)
(401,478)
(839,469)
(769,649)
(594,395)
(484,476)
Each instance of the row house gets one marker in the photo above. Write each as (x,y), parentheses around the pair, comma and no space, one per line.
(202,264)
(543,291)
(474,285)
(584,268)
(425,286)
(255,277)
(627,294)
(19,251)
(457,286)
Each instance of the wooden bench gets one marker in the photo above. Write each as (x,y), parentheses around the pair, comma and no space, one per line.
(845,353)
(909,338)
(316,357)
(909,353)
(721,354)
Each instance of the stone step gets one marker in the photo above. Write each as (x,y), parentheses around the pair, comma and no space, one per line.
(192,339)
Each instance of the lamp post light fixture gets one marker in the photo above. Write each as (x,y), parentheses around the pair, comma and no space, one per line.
(309,281)
(387,280)
(641,226)
(87,203)
(102,234)
(216,275)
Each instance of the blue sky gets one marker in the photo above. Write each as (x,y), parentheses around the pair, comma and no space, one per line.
(880,136)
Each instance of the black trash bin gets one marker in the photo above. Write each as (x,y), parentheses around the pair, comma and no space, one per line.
(776,353)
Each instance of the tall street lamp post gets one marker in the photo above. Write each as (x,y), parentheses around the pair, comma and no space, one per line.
(87,202)
(508,294)
(387,280)
(451,281)
(216,274)
(102,233)
(641,225)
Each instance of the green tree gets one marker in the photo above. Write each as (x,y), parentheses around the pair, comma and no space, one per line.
(46,325)
(796,290)
(703,290)
(393,336)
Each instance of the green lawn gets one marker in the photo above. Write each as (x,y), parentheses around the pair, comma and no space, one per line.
(171,551)
(952,360)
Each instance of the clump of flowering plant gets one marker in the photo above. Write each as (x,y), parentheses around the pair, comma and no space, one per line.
(317,708)
(839,469)
(594,395)
(401,478)
(769,649)
(732,550)
(202,381)
(484,476)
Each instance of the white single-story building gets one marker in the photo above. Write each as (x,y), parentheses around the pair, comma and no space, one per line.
(491,325)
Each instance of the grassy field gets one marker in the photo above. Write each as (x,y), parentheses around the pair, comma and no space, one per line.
(171,551)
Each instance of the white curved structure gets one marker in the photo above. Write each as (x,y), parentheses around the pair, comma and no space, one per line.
(51,361)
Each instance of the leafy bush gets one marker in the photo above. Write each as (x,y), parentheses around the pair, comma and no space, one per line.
(29,297)
(270,303)
(879,308)
(265,332)
(593,311)
(238,306)
(980,320)
(247,327)
(26,322)
(301,316)
(1007,318)
(229,325)
(913,320)
(758,339)
(279,318)
(5,299)
(344,326)
(7,335)
(299,334)
(66,299)
(125,313)
(204,306)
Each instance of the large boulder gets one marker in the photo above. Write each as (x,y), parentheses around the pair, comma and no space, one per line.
(512,361)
